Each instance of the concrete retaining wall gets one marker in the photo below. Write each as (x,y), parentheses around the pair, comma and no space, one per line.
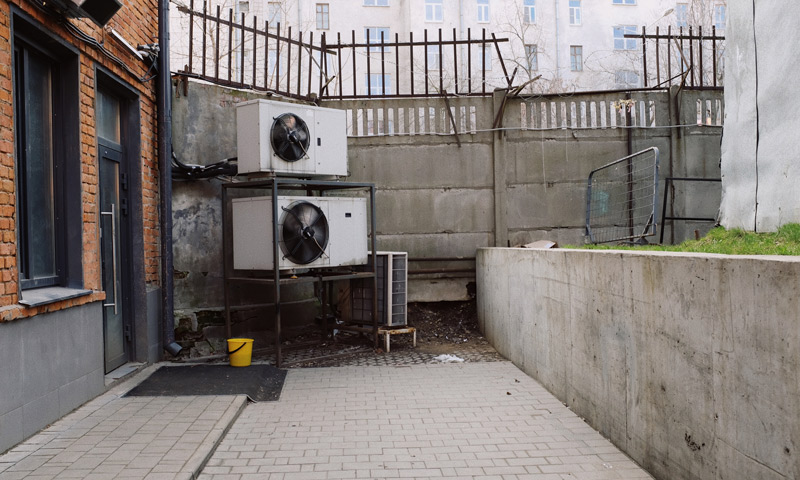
(689,363)
(49,365)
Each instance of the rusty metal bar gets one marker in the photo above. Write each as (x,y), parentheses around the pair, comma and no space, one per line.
(644,54)
(230,43)
(369,64)
(299,61)
(700,51)
(255,50)
(241,63)
(669,53)
(691,55)
(266,54)
(469,62)
(396,64)
(441,72)
(714,52)
(658,61)
(191,33)
(411,57)
(339,45)
(383,68)
(216,47)
(323,58)
(311,63)
(455,61)
(205,33)
(425,52)
(483,62)
(500,58)
(355,90)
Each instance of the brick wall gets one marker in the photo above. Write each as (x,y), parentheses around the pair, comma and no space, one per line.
(137,22)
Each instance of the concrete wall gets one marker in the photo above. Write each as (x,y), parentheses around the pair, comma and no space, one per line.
(687,362)
(759,150)
(51,364)
(439,199)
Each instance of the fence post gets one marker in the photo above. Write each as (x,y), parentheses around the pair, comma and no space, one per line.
(499,184)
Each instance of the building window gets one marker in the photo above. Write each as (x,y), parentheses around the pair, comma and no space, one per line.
(377,84)
(576,58)
(376,3)
(47,146)
(574,12)
(531,54)
(433,10)
(622,43)
(626,79)
(483,11)
(484,57)
(274,13)
(433,57)
(624,2)
(373,36)
(719,17)
(529,11)
(323,16)
(682,15)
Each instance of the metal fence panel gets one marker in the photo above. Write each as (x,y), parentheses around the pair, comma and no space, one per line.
(621,199)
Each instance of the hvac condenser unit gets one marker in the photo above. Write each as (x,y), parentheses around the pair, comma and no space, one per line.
(313,232)
(291,139)
(392,272)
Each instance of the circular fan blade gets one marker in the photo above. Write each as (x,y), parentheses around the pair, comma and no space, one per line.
(304,232)
(290,137)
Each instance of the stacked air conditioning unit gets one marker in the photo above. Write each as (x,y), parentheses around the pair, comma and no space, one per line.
(392,272)
(299,141)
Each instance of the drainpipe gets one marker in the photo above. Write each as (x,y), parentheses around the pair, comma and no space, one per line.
(558,62)
(164,119)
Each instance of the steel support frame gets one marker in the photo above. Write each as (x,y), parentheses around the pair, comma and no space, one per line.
(275,185)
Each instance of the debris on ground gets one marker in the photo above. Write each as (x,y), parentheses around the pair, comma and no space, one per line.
(447,358)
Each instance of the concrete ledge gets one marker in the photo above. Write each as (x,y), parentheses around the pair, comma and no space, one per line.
(687,362)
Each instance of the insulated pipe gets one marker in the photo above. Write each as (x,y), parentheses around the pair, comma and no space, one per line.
(164,119)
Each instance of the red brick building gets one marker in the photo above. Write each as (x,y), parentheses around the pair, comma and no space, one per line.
(79,204)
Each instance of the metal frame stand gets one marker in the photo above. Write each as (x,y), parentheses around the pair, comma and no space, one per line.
(275,185)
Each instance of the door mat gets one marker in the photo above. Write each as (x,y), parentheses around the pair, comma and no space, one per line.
(262,383)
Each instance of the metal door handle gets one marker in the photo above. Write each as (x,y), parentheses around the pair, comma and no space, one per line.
(113,255)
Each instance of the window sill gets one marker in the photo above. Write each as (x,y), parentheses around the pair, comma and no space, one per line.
(43,296)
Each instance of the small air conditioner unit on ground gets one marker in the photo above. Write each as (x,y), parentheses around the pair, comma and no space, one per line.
(313,232)
(291,139)
(392,271)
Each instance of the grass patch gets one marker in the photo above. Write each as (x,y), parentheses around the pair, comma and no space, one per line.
(786,241)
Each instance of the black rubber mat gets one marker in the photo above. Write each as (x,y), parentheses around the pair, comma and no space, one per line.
(261,383)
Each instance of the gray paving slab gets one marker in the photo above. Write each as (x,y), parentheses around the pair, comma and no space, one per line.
(470,420)
(134,438)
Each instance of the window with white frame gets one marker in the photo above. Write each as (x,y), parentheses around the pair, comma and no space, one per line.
(532,56)
(682,15)
(483,11)
(624,2)
(433,11)
(484,54)
(576,58)
(376,3)
(372,35)
(274,13)
(626,79)
(433,57)
(529,11)
(323,16)
(720,14)
(377,84)
(622,43)
(574,12)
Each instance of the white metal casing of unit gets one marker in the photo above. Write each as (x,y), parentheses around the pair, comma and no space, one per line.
(327,150)
(392,271)
(253,235)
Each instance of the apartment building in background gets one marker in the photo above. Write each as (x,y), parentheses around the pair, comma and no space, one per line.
(571,45)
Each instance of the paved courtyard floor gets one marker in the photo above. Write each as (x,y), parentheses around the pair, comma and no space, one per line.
(484,420)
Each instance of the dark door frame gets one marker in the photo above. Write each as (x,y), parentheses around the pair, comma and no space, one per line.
(130,145)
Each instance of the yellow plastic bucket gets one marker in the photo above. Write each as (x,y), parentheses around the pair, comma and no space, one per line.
(240,350)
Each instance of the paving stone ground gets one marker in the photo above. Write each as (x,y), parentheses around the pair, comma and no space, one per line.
(379,416)
(483,420)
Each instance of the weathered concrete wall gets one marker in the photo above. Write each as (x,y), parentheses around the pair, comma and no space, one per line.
(687,362)
(442,196)
(759,148)
(51,364)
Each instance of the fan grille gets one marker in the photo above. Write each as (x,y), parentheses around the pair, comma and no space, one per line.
(290,137)
(304,232)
